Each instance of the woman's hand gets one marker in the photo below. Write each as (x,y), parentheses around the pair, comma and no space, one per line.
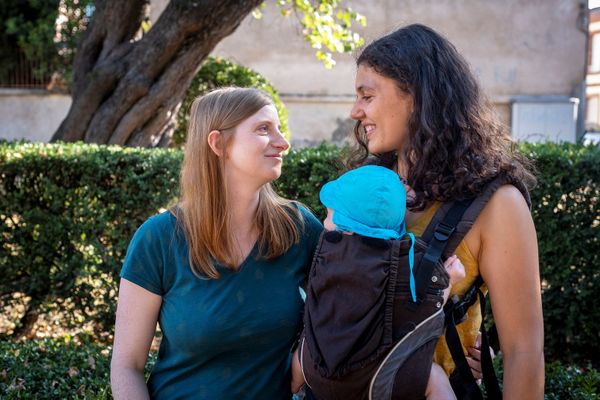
(474,358)
(297,375)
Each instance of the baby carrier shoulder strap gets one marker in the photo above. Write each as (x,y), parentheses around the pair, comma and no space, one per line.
(444,233)
(474,207)
(449,225)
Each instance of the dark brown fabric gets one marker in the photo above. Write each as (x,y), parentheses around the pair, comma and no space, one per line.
(348,317)
(412,377)
(358,305)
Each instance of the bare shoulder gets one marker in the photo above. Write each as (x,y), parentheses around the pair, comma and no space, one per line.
(506,202)
(506,213)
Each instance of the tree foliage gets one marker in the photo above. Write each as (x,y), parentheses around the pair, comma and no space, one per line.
(41,33)
(326,27)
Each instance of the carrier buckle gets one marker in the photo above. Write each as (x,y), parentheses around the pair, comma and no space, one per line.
(443,231)
(458,308)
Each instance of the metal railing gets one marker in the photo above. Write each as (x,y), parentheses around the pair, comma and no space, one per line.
(21,75)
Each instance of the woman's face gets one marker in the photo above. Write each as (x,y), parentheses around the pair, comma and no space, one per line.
(382,109)
(254,154)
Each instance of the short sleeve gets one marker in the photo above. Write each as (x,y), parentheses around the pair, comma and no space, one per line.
(143,263)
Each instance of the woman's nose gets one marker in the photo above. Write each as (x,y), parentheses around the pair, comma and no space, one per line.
(280,142)
(357,112)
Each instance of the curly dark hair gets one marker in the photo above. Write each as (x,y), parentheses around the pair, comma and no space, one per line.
(456,145)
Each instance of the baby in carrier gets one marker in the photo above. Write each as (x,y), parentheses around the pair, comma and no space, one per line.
(366,334)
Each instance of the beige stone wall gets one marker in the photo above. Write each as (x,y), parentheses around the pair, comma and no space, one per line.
(32,115)
(515,48)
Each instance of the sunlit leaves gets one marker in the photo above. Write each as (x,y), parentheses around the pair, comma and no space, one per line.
(326,26)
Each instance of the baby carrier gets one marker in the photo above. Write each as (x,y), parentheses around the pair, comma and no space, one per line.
(364,336)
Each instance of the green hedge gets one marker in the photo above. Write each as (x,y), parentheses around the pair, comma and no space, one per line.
(59,368)
(218,72)
(68,211)
(305,171)
(567,217)
(568,382)
(54,369)
(67,369)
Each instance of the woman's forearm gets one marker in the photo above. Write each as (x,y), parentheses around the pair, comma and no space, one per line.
(128,383)
(523,375)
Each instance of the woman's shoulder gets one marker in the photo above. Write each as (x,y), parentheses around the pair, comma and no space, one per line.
(306,214)
(163,223)
(311,227)
(505,201)
(163,220)
(506,213)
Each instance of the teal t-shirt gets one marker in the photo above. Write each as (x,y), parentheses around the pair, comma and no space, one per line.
(226,338)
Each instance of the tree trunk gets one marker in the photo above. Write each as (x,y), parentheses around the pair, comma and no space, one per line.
(25,327)
(127,92)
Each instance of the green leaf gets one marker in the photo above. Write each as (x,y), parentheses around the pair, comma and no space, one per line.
(326,26)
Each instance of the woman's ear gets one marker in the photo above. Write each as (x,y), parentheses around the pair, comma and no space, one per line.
(214,141)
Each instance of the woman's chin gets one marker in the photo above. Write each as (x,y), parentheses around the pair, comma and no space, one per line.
(374,148)
(272,175)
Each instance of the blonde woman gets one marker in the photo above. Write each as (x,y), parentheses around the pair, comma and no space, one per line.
(220,272)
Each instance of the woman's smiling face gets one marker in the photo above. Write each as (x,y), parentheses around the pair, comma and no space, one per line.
(256,149)
(382,109)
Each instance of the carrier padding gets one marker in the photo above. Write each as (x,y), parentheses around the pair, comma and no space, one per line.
(396,378)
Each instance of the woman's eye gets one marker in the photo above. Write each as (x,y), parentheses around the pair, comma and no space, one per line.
(263,129)
(367,98)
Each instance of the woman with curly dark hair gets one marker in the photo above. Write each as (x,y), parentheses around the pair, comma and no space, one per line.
(419,111)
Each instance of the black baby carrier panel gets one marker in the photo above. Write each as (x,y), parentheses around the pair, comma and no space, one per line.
(358,311)
(364,336)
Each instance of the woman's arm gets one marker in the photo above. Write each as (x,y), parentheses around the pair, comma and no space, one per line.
(508,263)
(137,313)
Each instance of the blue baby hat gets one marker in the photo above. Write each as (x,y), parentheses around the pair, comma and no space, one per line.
(370,201)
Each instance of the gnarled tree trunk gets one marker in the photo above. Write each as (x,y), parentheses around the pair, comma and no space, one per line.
(126,91)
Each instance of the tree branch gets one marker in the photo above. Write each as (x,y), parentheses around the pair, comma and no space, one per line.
(166,58)
(120,85)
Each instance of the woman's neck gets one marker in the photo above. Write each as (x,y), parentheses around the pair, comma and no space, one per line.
(242,214)
(401,168)
(242,199)
(243,206)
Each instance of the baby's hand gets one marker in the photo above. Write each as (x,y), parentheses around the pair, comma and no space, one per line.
(455,269)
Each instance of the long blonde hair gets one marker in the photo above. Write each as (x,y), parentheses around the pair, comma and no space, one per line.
(203,210)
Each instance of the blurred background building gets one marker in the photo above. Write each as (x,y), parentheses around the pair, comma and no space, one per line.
(530,56)
(592,116)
